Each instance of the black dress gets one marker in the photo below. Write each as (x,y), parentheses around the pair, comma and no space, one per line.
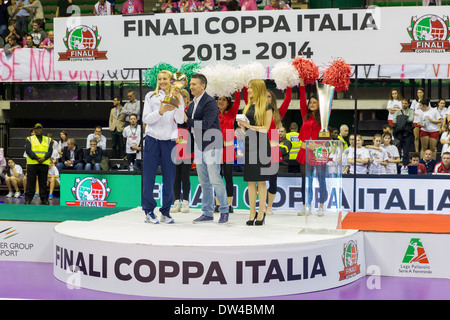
(257,151)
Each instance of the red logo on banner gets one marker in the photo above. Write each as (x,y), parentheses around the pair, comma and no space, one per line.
(82,43)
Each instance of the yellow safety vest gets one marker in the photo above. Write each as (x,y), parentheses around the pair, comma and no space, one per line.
(344,143)
(39,148)
(296,144)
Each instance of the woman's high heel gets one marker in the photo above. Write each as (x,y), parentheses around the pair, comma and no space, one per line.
(260,222)
(251,222)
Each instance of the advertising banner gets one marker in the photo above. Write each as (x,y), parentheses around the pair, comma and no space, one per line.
(400,35)
(208,271)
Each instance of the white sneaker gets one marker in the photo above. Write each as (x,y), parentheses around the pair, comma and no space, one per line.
(176,207)
(166,219)
(320,213)
(17,194)
(150,217)
(303,212)
(185,206)
(10,194)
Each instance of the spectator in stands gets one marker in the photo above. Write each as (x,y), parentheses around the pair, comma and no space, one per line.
(442,109)
(345,165)
(64,8)
(48,43)
(403,129)
(420,94)
(132,134)
(207,6)
(274,5)
(227,5)
(103,8)
(98,136)
(414,157)
(170,6)
(444,166)
(12,31)
(378,156)
(14,179)
(11,45)
(3,21)
(445,138)
(392,152)
(248,5)
(183,6)
(29,43)
(54,143)
(93,156)
(292,136)
(53,179)
(22,16)
(116,126)
(72,157)
(362,156)
(131,107)
(35,9)
(428,160)
(132,7)
(63,137)
(429,129)
(38,34)
(2,164)
(39,151)
(394,103)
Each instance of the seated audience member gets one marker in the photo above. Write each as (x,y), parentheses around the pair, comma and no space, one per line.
(53,179)
(63,136)
(38,34)
(72,157)
(103,8)
(444,165)
(48,42)
(14,179)
(11,45)
(132,7)
(97,136)
(54,143)
(29,42)
(428,161)
(93,156)
(414,162)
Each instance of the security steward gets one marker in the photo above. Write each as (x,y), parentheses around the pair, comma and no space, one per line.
(39,151)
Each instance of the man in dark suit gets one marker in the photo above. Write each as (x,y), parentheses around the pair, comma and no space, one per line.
(72,157)
(202,118)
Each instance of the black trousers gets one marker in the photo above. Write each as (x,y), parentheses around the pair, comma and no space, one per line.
(404,143)
(39,171)
(182,177)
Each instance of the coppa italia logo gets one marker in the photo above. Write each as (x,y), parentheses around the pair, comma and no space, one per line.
(82,43)
(350,261)
(429,34)
(321,154)
(415,260)
(91,192)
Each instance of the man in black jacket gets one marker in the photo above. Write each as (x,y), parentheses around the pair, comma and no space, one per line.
(202,118)
(72,157)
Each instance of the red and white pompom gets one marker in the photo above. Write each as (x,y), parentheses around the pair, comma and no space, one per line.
(338,74)
(307,69)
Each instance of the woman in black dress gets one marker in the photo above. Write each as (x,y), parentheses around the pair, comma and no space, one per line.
(257,148)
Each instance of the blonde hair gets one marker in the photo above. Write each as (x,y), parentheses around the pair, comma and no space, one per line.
(259,99)
(169,74)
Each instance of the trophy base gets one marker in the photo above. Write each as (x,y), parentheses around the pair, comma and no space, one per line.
(324,136)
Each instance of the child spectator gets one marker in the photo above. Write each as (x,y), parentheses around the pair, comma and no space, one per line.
(445,140)
(392,152)
(420,94)
(362,157)
(378,156)
(14,179)
(38,34)
(394,103)
(53,178)
(414,158)
(429,129)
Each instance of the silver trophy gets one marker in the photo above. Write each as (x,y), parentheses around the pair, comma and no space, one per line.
(325,93)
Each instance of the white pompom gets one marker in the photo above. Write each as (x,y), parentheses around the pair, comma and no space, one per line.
(221,79)
(285,75)
(249,71)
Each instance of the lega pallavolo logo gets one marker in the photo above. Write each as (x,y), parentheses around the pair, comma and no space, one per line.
(429,34)
(91,192)
(82,44)
(415,260)
(350,261)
